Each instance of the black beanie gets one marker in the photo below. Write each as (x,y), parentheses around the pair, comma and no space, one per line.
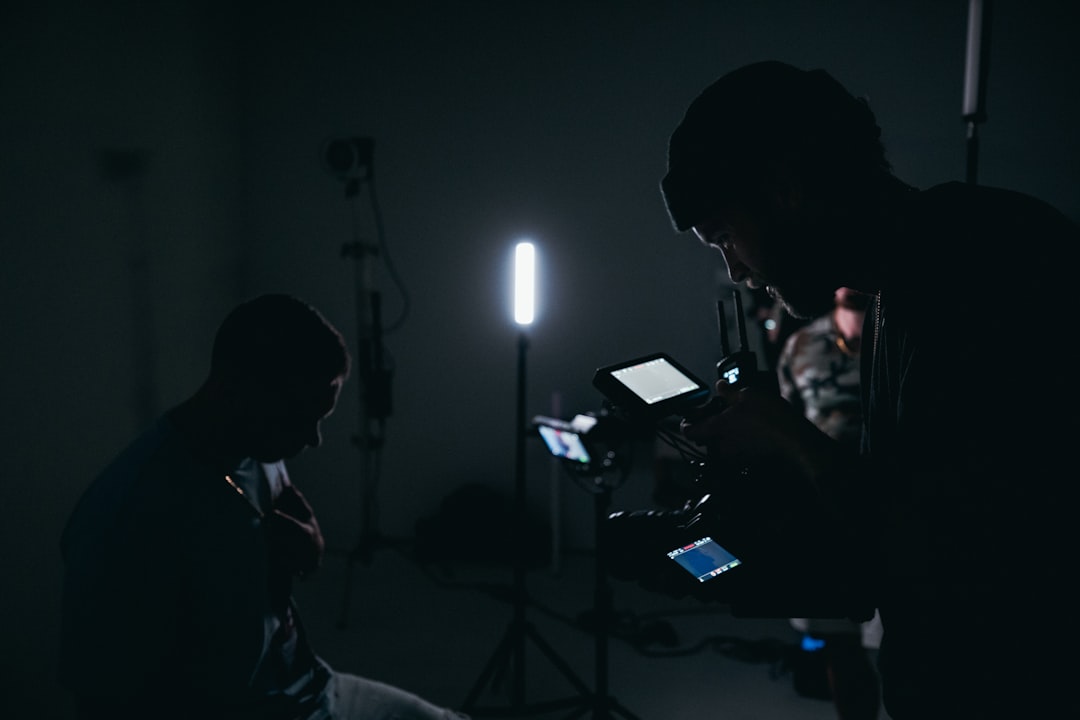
(743,123)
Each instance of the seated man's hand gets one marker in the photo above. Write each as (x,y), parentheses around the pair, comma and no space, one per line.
(297,544)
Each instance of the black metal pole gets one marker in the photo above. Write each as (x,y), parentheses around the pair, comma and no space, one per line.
(520,593)
(600,701)
(603,603)
(976,62)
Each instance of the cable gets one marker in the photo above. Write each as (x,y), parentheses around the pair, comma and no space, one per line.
(384,251)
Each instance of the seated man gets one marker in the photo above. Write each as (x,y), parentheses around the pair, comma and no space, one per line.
(180,556)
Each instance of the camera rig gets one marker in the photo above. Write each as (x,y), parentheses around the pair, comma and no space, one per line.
(649,392)
(776,556)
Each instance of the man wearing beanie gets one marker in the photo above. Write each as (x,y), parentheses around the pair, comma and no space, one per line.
(955,511)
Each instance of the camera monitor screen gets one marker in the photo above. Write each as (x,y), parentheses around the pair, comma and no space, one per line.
(653,386)
(704,558)
(564,444)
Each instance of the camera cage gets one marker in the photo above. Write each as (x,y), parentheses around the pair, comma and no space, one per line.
(787,567)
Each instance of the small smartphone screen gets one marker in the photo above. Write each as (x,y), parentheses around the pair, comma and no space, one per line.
(704,558)
(564,444)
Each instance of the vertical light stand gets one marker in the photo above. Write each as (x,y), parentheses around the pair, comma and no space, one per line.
(511,649)
(524,314)
(977,56)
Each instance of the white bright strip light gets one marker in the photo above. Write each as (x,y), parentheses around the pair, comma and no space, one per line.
(524,283)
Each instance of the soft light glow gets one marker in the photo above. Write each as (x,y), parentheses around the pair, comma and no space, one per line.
(524,283)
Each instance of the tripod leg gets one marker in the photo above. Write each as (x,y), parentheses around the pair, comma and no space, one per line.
(557,661)
(502,651)
(618,709)
(579,712)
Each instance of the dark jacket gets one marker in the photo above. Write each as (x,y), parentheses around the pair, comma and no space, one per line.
(968,412)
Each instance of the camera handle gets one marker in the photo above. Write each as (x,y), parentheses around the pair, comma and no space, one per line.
(739,367)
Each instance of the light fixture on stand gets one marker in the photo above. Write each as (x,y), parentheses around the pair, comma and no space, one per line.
(510,652)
